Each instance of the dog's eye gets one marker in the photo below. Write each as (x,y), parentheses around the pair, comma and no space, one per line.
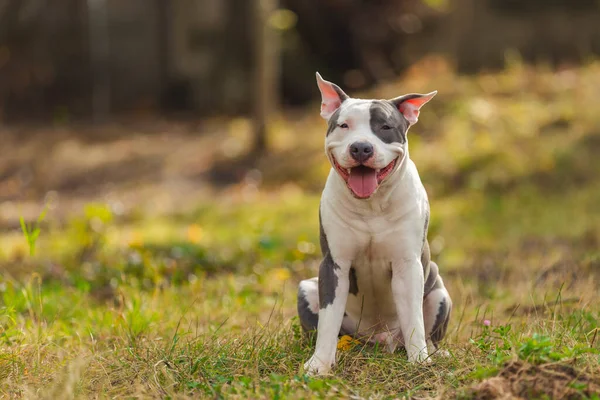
(343,126)
(386,127)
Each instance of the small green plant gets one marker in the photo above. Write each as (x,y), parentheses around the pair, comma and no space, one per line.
(539,349)
(495,342)
(500,344)
(32,232)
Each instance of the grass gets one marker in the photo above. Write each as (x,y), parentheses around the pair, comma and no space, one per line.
(201,303)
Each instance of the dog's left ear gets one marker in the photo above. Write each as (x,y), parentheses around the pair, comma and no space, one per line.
(410,104)
(332,97)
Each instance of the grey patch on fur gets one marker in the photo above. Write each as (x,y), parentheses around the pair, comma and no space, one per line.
(353,282)
(333,120)
(384,113)
(425,257)
(429,274)
(328,281)
(426,228)
(430,269)
(308,319)
(322,237)
(441,322)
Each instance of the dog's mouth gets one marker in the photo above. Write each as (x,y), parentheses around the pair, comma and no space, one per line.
(363,181)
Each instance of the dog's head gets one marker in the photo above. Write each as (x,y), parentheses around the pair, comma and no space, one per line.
(366,139)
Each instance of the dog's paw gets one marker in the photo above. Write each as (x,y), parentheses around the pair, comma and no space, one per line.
(442,353)
(417,356)
(315,366)
(436,352)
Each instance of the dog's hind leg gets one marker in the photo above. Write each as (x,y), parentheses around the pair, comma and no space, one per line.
(437,306)
(308,308)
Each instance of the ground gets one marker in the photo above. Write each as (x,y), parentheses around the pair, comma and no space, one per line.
(166,265)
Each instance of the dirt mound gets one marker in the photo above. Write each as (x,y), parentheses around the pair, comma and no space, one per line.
(520,380)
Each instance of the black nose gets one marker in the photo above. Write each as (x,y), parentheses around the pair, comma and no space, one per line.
(361,151)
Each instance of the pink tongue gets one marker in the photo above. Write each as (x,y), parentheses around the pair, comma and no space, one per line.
(362,181)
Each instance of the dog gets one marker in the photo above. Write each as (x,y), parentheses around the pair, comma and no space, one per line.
(376,281)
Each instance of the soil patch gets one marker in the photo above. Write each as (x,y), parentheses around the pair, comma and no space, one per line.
(520,380)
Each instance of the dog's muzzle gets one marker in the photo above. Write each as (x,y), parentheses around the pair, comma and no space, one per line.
(363,181)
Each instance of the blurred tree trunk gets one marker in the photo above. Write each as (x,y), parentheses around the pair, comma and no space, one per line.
(8,16)
(266,60)
(165,17)
(100,58)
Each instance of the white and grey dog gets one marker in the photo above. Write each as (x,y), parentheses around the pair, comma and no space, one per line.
(376,280)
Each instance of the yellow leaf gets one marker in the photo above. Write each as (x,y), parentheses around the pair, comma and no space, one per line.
(282,274)
(346,343)
(194,233)
(136,240)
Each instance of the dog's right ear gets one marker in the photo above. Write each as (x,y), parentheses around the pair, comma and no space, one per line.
(332,97)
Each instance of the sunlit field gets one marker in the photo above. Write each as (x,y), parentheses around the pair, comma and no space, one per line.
(195,296)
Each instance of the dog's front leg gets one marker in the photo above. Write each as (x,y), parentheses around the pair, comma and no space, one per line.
(333,293)
(407,290)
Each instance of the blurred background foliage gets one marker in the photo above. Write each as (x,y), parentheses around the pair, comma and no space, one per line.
(138,122)
(67,60)
(116,111)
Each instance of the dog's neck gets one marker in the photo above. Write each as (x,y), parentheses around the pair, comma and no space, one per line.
(389,198)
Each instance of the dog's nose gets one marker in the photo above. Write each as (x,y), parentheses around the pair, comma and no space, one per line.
(361,151)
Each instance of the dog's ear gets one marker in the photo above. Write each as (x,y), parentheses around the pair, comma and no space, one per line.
(410,104)
(332,97)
